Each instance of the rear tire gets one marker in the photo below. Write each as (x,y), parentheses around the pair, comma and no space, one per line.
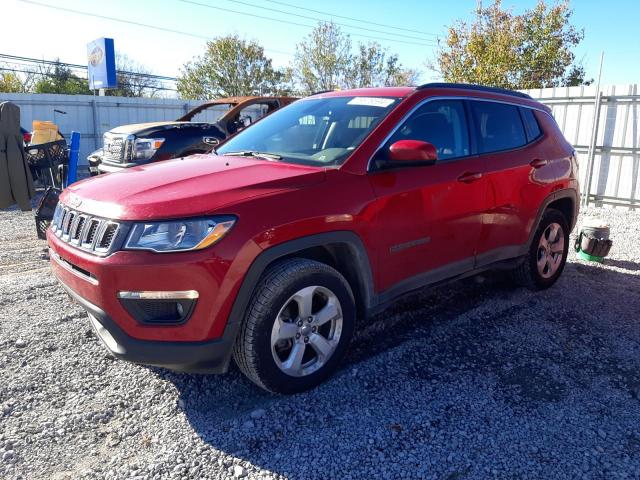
(547,255)
(297,326)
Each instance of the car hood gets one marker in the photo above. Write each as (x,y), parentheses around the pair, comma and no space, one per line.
(191,186)
(144,128)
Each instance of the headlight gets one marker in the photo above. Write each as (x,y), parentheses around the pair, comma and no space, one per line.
(144,148)
(178,235)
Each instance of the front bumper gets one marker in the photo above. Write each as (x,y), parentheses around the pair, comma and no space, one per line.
(104,167)
(193,357)
(203,343)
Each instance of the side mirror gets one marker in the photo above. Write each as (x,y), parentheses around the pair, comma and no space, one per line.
(413,152)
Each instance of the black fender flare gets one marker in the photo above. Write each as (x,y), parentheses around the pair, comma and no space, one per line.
(557,195)
(268,256)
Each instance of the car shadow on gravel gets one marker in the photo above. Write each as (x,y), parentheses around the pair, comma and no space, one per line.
(441,361)
(624,264)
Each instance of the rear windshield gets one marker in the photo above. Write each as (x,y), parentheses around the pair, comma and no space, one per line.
(315,131)
(211,114)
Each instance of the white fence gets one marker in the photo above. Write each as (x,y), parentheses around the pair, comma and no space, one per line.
(615,168)
(616,152)
(93,116)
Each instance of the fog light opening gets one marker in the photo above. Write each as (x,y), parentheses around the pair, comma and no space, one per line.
(159,307)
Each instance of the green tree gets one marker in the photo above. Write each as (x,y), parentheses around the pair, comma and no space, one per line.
(230,66)
(323,60)
(17,82)
(499,48)
(133,79)
(10,83)
(373,66)
(60,79)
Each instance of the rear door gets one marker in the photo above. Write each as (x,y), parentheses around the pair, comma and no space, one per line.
(507,149)
(430,217)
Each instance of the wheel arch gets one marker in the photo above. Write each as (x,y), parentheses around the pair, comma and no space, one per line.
(342,250)
(566,201)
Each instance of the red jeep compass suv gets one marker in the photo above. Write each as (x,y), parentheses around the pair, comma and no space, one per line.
(322,212)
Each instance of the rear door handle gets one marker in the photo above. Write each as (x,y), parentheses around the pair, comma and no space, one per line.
(538,162)
(469,177)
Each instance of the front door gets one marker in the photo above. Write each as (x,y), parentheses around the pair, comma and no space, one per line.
(430,217)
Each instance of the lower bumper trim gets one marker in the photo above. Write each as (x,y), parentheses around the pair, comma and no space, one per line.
(192,357)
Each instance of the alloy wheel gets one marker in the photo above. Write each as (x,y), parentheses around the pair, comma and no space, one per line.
(306,331)
(550,250)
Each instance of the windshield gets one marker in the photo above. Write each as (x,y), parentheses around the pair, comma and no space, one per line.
(318,132)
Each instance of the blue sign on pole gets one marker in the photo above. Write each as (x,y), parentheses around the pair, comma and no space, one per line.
(101,58)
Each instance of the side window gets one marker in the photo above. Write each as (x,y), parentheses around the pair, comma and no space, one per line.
(530,124)
(442,123)
(498,126)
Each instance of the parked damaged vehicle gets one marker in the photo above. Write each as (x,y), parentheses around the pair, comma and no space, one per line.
(322,214)
(198,131)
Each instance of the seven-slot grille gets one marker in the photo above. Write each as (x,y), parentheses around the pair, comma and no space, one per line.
(93,234)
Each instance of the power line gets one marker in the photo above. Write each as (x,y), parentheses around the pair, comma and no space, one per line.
(351,18)
(51,75)
(131,22)
(84,67)
(288,22)
(189,34)
(323,20)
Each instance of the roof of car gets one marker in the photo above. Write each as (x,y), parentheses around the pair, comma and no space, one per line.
(368,92)
(404,91)
(235,102)
(239,100)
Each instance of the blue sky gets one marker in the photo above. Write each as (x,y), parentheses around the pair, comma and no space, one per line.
(36,31)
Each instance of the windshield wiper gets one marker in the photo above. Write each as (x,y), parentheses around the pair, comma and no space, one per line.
(253,153)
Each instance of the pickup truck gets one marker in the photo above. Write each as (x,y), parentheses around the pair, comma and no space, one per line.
(198,131)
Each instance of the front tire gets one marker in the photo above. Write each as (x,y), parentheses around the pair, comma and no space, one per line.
(545,261)
(297,326)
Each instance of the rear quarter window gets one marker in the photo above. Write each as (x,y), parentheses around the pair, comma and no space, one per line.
(531,126)
(498,126)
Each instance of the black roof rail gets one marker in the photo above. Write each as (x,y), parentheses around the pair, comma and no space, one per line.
(321,91)
(471,86)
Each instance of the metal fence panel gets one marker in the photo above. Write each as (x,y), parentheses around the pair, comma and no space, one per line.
(93,116)
(616,174)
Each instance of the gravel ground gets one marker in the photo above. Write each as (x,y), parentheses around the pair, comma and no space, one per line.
(471,380)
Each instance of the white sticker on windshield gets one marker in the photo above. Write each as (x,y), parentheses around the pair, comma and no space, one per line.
(371,101)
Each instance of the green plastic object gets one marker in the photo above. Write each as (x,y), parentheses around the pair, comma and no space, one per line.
(590,258)
(593,242)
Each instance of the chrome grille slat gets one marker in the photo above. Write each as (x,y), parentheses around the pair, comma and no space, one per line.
(86,232)
(108,235)
(57,217)
(76,232)
(68,221)
(63,216)
(90,233)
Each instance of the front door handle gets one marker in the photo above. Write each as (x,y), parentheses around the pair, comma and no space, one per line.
(469,177)
(538,162)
